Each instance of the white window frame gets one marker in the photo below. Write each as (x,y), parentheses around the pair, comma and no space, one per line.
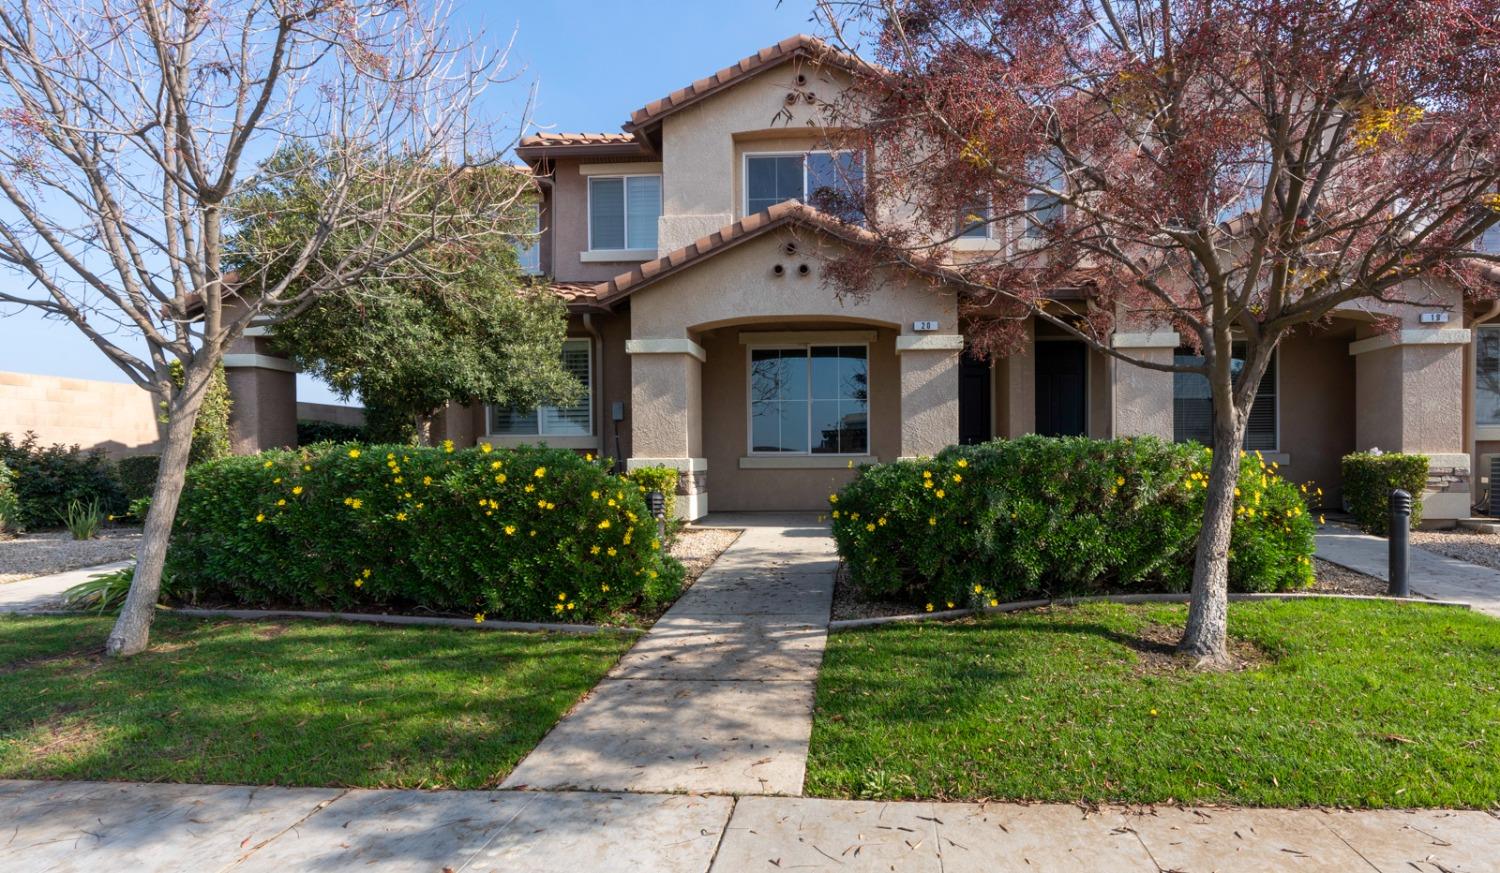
(489,409)
(531,246)
(745,171)
(1276,386)
(750,350)
(661,193)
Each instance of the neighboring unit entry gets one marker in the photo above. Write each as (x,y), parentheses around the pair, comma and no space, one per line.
(924,326)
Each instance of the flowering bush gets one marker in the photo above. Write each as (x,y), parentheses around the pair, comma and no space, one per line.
(1072,516)
(526,533)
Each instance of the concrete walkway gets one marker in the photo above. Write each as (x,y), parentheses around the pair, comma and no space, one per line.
(82,827)
(1434,576)
(45,592)
(718,697)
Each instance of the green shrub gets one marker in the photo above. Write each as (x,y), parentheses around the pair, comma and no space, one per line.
(137,475)
(309,432)
(49,478)
(663,479)
(1070,516)
(10,504)
(1369,479)
(211,429)
(527,533)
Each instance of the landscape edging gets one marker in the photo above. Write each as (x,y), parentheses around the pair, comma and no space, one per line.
(1018,605)
(376,618)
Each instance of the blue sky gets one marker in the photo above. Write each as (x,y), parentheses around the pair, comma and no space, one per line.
(593,61)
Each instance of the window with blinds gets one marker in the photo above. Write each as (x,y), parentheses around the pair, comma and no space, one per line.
(623,212)
(574,420)
(1193,409)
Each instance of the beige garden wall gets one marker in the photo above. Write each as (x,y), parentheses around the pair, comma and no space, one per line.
(117,418)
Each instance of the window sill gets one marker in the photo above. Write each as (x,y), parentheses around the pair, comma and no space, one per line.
(605,256)
(978,244)
(804,462)
(503,441)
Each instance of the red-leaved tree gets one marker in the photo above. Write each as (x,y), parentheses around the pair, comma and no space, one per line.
(1228,169)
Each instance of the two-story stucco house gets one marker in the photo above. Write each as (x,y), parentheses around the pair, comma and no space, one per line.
(708,342)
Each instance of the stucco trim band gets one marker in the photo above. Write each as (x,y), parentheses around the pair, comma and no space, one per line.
(623,168)
(263,362)
(805,337)
(939,342)
(1156,339)
(682,465)
(665,346)
(804,462)
(1448,336)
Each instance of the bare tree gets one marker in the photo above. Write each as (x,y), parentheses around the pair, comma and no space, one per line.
(128,130)
(1231,170)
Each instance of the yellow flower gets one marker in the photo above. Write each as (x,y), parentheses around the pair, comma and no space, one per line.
(260,516)
(354,453)
(281,502)
(926,483)
(1320,519)
(571,605)
(479,618)
(929,607)
(448,445)
(499,478)
(562,596)
(963,462)
(486,448)
(977,589)
(957,478)
(870,527)
(276,481)
(426,480)
(356,503)
(307,468)
(835,513)
(994,602)
(540,472)
(611,552)
(1153,712)
(939,493)
(593,550)
(296,490)
(401,516)
(932,520)
(594,494)
(656,545)
(881,520)
(833,498)
(367,573)
(267,465)
(359,583)
(1119,480)
(926,474)
(588,456)
(604,525)
(950,604)
(604,588)
(530,488)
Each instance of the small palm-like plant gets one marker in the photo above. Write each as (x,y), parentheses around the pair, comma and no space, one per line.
(83,520)
(101,592)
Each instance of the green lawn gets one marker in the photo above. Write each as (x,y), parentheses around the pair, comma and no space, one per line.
(1361,704)
(286,703)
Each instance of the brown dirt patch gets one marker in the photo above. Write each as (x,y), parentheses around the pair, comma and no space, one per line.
(1155,646)
(1333,579)
(61,736)
(269,630)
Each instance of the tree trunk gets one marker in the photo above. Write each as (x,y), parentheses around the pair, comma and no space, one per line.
(1208,610)
(132,629)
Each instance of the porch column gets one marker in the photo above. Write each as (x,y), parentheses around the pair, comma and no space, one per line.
(1015,388)
(1408,389)
(666,424)
(263,395)
(929,392)
(1143,397)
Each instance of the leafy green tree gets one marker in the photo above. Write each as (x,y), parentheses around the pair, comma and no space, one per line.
(458,323)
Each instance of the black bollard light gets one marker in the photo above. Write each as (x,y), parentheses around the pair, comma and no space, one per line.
(657,503)
(1399,560)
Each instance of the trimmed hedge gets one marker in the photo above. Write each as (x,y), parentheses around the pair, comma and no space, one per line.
(1370,478)
(526,533)
(10,504)
(137,475)
(663,479)
(1071,516)
(48,478)
(309,432)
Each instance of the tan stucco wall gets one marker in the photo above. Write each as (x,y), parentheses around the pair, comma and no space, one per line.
(725,424)
(117,418)
(1409,399)
(699,150)
(566,234)
(354,416)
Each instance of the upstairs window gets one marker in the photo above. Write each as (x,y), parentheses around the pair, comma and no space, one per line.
(1489,241)
(623,211)
(545,421)
(529,247)
(810,400)
(1193,406)
(1487,376)
(1043,208)
(831,182)
(974,222)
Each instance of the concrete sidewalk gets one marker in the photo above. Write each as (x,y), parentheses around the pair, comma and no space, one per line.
(87,827)
(718,697)
(45,592)
(1434,576)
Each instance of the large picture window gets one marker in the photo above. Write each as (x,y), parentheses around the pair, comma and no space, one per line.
(544,421)
(1487,376)
(810,400)
(831,182)
(623,211)
(1193,407)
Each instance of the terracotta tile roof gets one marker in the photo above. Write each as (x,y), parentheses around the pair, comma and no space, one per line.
(577,294)
(789,212)
(541,145)
(575,139)
(800,45)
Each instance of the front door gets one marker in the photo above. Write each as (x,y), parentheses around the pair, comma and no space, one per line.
(974,425)
(1061,388)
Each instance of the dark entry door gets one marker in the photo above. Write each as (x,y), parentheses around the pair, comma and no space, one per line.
(1061,388)
(974,424)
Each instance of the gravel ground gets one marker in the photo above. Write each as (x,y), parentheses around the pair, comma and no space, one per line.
(696,548)
(1331,579)
(37,554)
(1465,545)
